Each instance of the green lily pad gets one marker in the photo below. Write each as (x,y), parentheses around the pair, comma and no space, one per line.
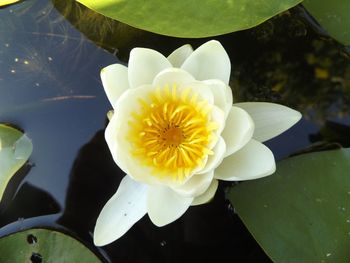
(195,19)
(43,245)
(302,212)
(15,149)
(333,16)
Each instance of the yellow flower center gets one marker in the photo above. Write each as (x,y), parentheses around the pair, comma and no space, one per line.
(171,131)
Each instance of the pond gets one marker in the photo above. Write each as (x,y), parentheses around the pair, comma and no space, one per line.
(51,54)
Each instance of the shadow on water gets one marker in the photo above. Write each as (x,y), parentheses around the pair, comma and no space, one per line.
(205,232)
(50,57)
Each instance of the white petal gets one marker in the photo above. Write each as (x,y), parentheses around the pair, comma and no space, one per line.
(117,131)
(207,195)
(144,65)
(165,206)
(218,116)
(172,76)
(209,61)
(253,161)
(222,94)
(238,130)
(201,89)
(215,159)
(178,56)
(115,81)
(121,212)
(111,133)
(196,185)
(270,119)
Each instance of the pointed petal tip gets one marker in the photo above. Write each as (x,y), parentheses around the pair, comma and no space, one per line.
(179,55)
(209,61)
(270,119)
(254,160)
(98,239)
(165,205)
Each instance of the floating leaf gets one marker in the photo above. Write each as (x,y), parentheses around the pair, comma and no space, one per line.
(7,2)
(302,212)
(196,19)
(333,16)
(15,149)
(43,245)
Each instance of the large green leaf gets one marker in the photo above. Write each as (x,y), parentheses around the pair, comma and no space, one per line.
(333,16)
(15,149)
(196,18)
(43,245)
(302,212)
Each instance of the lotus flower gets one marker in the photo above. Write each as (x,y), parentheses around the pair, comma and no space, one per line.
(175,132)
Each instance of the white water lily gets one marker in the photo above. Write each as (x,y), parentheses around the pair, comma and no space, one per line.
(175,132)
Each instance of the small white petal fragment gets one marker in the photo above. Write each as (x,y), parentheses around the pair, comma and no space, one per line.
(121,212)
(238,130)
(196,185)
(144,65)
(207,195)
(178,56)
(115,81)
(253,161)
(165,205)
(270,119)
(209,61)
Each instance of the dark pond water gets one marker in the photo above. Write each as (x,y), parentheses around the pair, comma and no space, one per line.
(51,53)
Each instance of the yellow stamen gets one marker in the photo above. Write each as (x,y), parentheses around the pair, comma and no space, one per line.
(171,131)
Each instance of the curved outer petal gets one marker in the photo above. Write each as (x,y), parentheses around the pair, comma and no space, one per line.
(222,94)
(209,61)
(144,65)
(115,81)
(270,119)
(121,212)
(196,185)
(165,206)
(172,75)
(207,195)
(179,55)
(238,130)
(111,134)
(215,159)
(116,133)
(253,161)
